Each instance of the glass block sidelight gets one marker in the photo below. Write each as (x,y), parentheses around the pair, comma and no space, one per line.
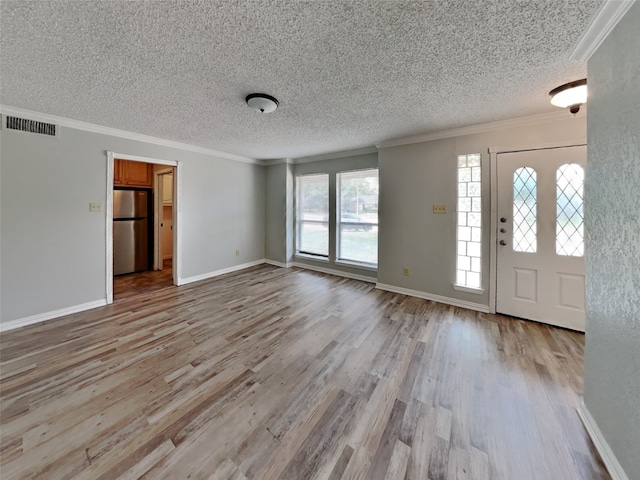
(570,210)
(525,210)
(469,221)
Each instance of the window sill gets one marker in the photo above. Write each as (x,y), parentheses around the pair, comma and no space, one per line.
(462,288)
(363,266)
(317,258)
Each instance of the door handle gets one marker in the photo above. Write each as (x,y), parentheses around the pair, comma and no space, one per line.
(503,243)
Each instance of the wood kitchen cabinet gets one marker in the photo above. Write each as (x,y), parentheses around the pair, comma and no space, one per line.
(132,174)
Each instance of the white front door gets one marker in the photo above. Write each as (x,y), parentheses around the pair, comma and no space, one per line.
(540,271)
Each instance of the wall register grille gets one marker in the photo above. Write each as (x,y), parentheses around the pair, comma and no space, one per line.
(31,126)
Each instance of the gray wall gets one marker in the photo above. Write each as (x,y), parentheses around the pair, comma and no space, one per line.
(333,166)
(53,249)
(414,177)
(612,357)
(279,213)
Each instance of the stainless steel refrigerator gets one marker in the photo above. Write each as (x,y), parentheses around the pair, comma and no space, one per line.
(131,238)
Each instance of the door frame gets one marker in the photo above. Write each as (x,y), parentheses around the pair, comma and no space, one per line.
(158,206)
(177,215)
(493,227)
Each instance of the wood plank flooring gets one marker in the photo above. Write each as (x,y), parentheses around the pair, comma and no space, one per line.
(134,284)
(274,373)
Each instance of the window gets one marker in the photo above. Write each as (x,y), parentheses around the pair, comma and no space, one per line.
(525,210)
(570,210)
(357,217)
(469,228)
(312,214)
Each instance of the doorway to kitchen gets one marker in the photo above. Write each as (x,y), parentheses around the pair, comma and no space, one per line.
(143,222)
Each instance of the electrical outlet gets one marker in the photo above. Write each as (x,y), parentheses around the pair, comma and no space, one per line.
(237,253)
(95,207)
(439,208)
(405,271)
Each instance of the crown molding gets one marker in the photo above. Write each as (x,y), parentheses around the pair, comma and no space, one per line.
(481,128)
(606,19)
(277,161)
(114,132)
(330,156)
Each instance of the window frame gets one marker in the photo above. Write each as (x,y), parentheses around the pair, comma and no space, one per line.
(299,222)
(456,285)
(338,221)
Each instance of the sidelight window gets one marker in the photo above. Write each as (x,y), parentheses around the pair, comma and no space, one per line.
(469,225)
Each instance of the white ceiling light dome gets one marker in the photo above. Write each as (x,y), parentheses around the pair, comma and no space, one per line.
(570,95)
(262,102)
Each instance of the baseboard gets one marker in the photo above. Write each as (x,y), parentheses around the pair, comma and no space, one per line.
(277,264)
(330,271)
(43,317)
(205,276)
(167,257)
(479,307)
(602,446)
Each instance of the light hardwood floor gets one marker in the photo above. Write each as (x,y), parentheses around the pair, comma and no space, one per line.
(277,373)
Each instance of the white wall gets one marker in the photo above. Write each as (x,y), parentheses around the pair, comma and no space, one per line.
(53,249)
(612,352)
(416,176)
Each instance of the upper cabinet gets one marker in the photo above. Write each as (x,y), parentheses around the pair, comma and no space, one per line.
(132,174)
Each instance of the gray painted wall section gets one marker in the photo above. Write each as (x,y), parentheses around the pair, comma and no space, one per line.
(612,357)
(414,177)
(290,214)
(276,213)
(53,249)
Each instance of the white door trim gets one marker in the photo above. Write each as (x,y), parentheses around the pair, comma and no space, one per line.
(493,167)
(158,205)
(177,179)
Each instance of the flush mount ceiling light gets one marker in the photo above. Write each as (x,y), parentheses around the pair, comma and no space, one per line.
(570,95)
(262,102)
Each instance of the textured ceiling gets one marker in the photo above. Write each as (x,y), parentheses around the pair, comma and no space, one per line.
(348,73)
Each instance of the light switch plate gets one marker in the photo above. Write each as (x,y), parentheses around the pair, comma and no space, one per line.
(439,208)
(95,207)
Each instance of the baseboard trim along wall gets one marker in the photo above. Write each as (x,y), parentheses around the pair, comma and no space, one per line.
(330,271)
(43,317)
(602,446)
(277,264)
(204,276)
(436,298)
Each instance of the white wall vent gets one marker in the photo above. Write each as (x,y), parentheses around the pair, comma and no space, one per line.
(31,126)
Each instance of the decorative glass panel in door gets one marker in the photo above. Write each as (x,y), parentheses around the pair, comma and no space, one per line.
(570,210)
(525,210)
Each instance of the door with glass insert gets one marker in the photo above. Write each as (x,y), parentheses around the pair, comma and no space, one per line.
(540,251)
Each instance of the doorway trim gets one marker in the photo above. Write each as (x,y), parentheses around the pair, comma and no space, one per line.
(158,205)
(177,214)
(493,227)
